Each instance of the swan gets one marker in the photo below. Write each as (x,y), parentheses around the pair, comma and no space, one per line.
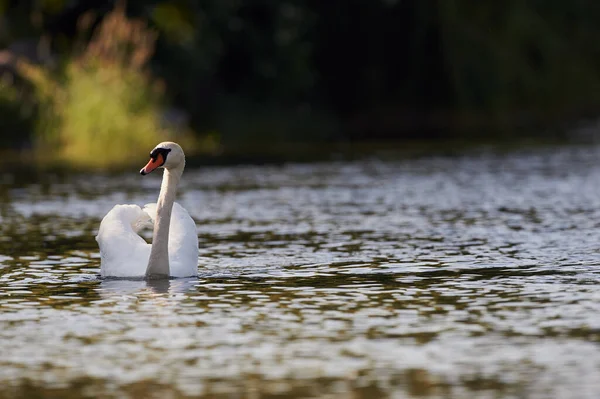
(174,248)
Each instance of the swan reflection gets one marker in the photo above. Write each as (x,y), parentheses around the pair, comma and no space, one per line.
(112,287)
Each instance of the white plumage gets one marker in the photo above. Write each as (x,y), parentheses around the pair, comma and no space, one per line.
(124,253)
(174,248)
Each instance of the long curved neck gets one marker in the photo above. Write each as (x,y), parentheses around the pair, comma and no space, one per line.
(158,264)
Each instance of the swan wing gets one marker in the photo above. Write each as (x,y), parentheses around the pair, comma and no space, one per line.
(123,253)
(183,241)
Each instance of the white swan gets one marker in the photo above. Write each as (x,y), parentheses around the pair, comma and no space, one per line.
(174,249)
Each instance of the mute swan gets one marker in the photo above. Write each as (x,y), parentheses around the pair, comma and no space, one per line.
(174,248)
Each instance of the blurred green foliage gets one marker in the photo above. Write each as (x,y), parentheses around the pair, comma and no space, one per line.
(15,115)
(539,58)
(103,100)
(253,72)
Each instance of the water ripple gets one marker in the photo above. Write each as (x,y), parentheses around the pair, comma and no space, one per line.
(472,276)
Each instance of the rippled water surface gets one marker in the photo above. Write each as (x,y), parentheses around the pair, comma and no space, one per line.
(473,276)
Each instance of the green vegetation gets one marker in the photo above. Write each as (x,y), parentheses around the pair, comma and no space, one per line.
(224,76)
(15,115)
(523,59)
(103,106)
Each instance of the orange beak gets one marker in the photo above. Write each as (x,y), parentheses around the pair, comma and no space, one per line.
(152,164)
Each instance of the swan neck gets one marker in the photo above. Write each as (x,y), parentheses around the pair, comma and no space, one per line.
(158,264)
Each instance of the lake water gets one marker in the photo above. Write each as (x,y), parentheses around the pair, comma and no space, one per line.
(445,277)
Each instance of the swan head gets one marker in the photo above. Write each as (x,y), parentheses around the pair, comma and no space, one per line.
(166,155)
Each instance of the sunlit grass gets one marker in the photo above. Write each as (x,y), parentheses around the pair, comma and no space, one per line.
(109,115)
(103,107)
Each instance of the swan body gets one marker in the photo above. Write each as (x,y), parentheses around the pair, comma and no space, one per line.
(174,248)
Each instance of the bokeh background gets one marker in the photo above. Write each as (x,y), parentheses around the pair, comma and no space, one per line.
(469,272)
(255,79)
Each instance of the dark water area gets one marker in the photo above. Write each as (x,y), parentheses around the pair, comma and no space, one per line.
(438,277)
